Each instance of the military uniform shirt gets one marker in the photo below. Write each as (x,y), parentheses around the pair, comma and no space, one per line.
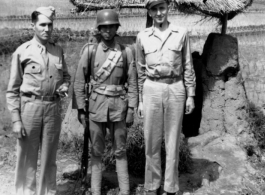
(104,108)
(36,70)
(170,57)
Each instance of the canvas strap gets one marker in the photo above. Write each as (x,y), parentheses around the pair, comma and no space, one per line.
(105,70)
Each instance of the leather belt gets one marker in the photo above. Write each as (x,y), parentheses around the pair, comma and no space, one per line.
(110,90)
(42,98)
(167,80)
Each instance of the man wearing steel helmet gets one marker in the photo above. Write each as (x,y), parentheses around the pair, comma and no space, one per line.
(38,77)
(166,85)
(109,66)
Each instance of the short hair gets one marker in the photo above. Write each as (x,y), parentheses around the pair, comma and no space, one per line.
(34,16)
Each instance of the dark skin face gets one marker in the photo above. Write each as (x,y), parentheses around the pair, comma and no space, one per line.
(108,33)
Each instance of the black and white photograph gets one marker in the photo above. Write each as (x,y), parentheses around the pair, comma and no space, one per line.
(132,97)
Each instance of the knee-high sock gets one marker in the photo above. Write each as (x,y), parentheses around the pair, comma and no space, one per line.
(123,176)
(96,175)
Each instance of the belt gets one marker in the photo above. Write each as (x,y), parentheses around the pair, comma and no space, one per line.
(42,98)
(167,80)
(110,90)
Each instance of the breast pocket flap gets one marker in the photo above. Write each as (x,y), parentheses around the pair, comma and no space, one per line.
(150,50)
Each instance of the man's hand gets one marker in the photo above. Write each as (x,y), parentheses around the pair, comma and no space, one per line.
(62,91)
(129,117)
(189,105)
(82,117)
(140,110)
(19,130)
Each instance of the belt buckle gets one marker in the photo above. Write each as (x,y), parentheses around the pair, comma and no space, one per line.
(170,81)
(42,98)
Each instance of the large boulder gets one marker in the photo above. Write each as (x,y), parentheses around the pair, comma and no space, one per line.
(224,98)
(220,165)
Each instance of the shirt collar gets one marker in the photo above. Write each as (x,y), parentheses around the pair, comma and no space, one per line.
(150,31)
(106,48)
(40,46)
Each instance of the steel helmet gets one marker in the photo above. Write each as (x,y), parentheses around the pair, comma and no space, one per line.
(107,17)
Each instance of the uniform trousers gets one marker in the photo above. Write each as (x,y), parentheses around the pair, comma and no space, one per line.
(163,106)
(42,122)
(118,134)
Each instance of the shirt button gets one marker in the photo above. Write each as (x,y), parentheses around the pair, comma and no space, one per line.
(50,76)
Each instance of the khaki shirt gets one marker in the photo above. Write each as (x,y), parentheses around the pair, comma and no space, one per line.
(168,58)
(103,108)
(35,74)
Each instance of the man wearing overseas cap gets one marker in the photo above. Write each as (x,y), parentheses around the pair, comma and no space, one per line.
(38,78)
(108,66)
(166,81)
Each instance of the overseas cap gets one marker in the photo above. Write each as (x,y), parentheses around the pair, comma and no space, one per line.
(151,3)
(49,12)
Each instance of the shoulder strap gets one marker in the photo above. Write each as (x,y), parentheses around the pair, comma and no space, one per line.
(92,60)
(125,64)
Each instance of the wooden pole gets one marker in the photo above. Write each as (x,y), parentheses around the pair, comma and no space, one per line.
(224,23)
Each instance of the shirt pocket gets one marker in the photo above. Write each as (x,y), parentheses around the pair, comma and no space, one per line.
(174,55)
(118,69)
(151,55)
(93,105)
(150,50)
(58,70)
(32,69)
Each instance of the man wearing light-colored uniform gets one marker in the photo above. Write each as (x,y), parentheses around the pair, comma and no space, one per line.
(110,106)
(38,77)
(166,81)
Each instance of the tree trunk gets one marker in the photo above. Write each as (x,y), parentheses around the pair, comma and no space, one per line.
(224,23)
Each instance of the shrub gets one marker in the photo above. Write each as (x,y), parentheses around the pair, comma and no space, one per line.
(136,153)
(257,122)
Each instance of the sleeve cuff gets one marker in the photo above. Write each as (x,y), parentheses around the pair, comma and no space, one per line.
(140,97)
(190,91)
(15,116)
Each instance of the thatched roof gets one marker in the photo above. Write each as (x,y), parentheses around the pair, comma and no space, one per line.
(214,8)
(89,5)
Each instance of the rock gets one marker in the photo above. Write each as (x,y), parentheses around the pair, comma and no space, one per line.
(71,126)
(225,104)
(235,108)
(71,169)
(220,54)
(63,186)
(220,165)
(203,139)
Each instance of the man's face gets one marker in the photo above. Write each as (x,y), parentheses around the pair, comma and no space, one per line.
(43,28)
(159,13)
(108,31)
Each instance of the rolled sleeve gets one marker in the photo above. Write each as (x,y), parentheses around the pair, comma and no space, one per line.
(132,80)
(13,89)
(79,95)
(140,65)
(189,74)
